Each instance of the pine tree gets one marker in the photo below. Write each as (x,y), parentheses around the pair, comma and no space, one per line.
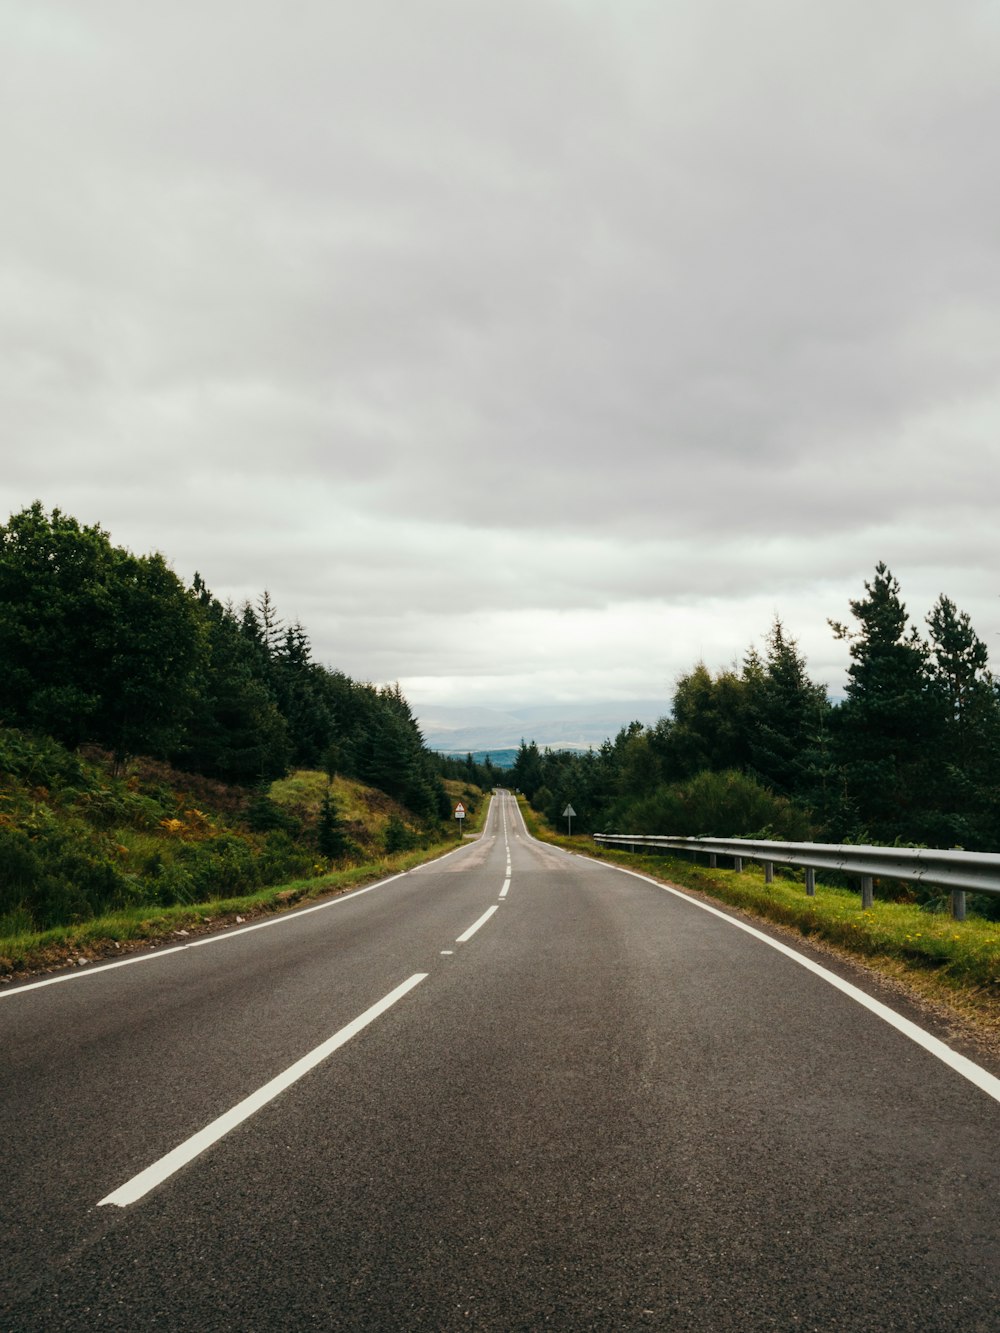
(967,758)
(786,711)
(960,674)
(330,837)
(887,728)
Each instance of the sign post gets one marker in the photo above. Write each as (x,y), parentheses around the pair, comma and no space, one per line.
(460,815)
(568,814)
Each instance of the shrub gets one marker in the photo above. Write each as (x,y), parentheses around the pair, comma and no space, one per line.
(264,815)
(720,805)
(397,835)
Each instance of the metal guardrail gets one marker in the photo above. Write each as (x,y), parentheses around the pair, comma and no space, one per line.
(958,872)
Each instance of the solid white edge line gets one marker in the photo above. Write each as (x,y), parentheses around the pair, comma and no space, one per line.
(221,938)
(281,920)
(476,924)
(968,1069)
(154,1175)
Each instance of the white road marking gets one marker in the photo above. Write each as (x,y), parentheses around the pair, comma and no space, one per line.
(447,952)
(221,938)
(506,886)
(968,1069)
(185,1152)
(476,924)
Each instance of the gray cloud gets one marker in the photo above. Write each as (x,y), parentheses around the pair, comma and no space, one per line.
(618,327)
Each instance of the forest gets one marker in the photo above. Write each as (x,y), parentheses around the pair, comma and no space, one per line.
(909,756)
(108,652)
(145,728)
(102,647)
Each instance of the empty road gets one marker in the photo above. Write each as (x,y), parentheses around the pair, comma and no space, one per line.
(511,1089)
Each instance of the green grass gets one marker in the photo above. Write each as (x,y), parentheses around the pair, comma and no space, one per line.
(24,950)
(958,956)
(29,951)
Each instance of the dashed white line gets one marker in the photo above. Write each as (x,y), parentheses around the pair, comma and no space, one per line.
(467,935)
(506,886)
(154,1175)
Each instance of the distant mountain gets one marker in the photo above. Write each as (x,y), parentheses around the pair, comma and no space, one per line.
(461,730)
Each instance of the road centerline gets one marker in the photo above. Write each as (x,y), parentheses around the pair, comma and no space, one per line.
(185,1152)
(468,934)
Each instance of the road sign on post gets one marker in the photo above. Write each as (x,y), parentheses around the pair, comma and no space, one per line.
(568,814)
(460,815)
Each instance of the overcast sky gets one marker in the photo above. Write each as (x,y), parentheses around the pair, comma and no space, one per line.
(523,349)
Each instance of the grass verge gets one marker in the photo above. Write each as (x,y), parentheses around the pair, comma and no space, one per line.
(955,965)
(139,927)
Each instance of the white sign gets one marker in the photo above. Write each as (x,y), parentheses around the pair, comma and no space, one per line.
(460,811)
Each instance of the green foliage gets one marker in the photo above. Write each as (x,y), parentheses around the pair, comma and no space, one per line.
(100,646)
(264,815)
(330,837)
(481,772)
(236,732)
(886,731)
(723,805)
(912,754)
(918,737)
(786,714)
(527,775)
(77,842)
(397,835)
(96,644)
(709,729)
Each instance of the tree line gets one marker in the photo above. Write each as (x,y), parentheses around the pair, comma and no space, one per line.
(910,755)
(101,646)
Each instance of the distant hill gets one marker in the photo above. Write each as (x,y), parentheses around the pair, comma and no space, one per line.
(479,730)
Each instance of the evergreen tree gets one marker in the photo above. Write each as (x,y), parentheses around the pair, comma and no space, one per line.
(96,644)
(785,713)
(526,775)
(300,687)
(960,674)
(887,728)
(330,837)
(236,732)
(150,646)
(967,759)
(271,625)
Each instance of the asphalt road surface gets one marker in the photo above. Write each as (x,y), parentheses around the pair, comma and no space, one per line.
(512,1089)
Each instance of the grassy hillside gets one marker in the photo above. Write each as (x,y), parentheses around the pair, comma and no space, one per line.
(90,860)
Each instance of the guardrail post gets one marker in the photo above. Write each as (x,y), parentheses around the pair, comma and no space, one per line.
(738,863)
(713,861)
(867,891)
(810,881)
(768,872)
(958,904)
